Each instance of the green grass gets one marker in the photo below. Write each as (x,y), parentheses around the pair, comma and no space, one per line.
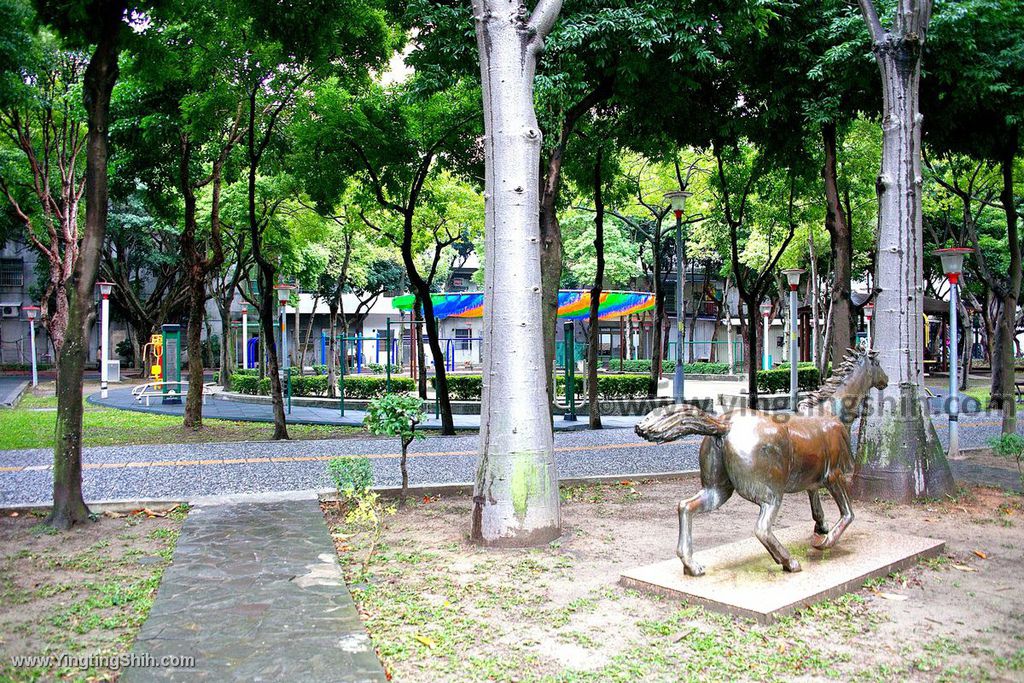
(31,425)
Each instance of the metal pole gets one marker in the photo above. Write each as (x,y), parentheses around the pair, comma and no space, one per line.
(32,341)
(954,385)
(284,337)
(766,363)
(679,377)
(794,348)
(387,359)
(104,343)
(245,337)
(569,355)
(341,382)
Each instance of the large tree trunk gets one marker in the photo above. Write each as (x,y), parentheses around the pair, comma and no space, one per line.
(752,356)
(331,361)
(900,457)
(194,252)
(271,352)
(594,331)
(1004,347)
(100,76)
(227,345)
(842,250)
(516,499)
(551,271)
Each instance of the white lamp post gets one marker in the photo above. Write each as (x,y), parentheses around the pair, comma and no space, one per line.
(677,200)
(869,313)
(32,313)
(766,315)
(793,277)
(284,293)
(245,336)
(105,288)
(953,265)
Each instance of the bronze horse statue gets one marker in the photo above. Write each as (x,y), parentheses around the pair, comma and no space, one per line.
(763,456)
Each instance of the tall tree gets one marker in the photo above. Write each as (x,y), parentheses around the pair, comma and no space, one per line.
(899,455)
(516,492)
(99,23)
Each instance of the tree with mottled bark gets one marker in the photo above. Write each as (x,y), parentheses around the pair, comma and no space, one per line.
(899,456)
(515,497)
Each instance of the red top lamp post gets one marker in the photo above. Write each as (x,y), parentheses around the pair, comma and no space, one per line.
(953,265)
(766,315)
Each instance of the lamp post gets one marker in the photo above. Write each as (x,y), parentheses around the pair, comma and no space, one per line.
(284,293)
(793,277)
(105,288)
(953,264)
(32,313)
(245,336)
(869,313)
(677,199)
(766,313)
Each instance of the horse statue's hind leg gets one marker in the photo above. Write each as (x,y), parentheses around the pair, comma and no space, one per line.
(837,487)
(764,533)
(820,528)
(716,490)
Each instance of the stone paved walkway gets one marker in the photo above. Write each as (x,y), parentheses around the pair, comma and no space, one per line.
(11,387)
(255,593)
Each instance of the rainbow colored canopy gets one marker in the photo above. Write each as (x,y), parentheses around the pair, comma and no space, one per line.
(572,304)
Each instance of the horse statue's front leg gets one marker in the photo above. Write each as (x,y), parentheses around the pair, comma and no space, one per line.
(708,499)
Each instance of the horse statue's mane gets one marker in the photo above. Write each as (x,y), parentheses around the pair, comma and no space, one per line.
(835,381)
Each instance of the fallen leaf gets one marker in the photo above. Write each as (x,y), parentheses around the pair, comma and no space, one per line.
(14,514)
(895,597)
(626,482)
(964,568)
(425,640)
(981,554)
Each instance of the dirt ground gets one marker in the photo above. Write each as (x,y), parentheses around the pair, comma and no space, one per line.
(439,608)
(80,592)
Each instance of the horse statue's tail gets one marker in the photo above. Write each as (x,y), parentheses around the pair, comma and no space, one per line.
(672,422)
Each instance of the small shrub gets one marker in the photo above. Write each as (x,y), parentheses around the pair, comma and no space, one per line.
(319,369)
(643,365)
(396,415)
(379,368)
(611,386)
(364,509)
(1010,446)
(245,383)
(352,475)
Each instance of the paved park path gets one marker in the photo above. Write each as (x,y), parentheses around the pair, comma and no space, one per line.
(255,593)
(187,472)
(243,411)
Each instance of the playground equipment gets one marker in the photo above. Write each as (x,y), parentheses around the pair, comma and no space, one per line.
(252,352)
(153,357)
(172,388)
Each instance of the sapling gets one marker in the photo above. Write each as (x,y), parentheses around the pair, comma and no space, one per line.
(396,415)
(1010,446)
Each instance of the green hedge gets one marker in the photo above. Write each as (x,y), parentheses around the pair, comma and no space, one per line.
(463,387)
(669,366)
(611,386)
(375,387)
(316,385)
(776,381)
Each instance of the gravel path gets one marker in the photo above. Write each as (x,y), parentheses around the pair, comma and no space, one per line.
(183,471)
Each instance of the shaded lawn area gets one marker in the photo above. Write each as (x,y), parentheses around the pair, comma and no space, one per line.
(80,592)
(31,425)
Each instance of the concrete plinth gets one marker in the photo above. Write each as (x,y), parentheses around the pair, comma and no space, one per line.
(742,579)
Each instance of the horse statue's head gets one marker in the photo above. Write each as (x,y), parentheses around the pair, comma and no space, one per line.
(852,379)
(879,380)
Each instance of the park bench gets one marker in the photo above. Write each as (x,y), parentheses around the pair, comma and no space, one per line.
(144,392)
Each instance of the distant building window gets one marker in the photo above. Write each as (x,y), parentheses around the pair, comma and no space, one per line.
(12,273)
(464,339)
